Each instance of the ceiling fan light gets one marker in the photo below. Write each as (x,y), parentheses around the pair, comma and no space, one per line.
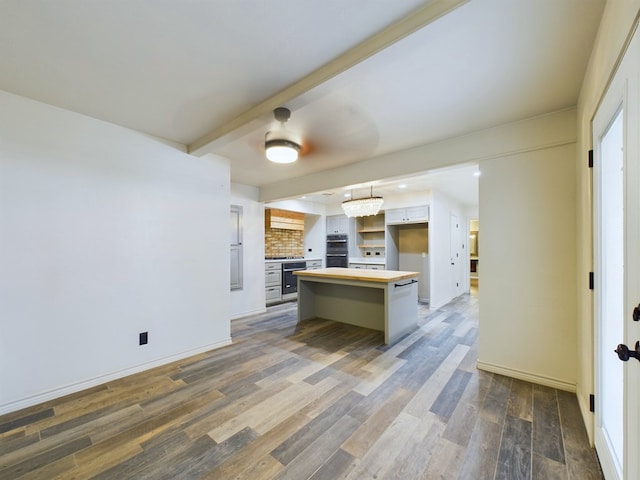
(279,150)
(280,145)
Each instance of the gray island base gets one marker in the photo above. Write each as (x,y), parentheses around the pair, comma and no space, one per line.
(384,300)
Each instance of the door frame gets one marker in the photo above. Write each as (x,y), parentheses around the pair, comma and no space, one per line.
(623,92)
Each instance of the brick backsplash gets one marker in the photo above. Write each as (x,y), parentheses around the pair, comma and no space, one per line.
(283,243)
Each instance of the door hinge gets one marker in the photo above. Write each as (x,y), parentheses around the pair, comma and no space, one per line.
(590,158)
(591,280)
(592,403)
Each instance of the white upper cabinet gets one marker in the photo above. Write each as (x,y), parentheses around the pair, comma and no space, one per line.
(337,224)
(417,214)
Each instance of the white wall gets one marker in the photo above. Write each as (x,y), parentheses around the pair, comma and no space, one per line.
(315,237)
(409,199)
(615,26)
(527,289)
(251,298)
(104,233)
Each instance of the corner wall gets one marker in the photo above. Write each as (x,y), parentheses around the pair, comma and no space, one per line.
(250,299)
(104,233)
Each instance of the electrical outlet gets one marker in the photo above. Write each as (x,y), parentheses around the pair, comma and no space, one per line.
(144,338)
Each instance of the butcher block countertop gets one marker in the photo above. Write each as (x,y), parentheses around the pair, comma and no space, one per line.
(380,276)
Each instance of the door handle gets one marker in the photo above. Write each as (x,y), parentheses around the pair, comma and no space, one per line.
(625,354)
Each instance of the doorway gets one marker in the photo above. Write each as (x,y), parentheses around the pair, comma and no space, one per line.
(474,251)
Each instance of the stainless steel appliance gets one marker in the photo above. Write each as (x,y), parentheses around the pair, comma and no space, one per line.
(337,251)
(289,280)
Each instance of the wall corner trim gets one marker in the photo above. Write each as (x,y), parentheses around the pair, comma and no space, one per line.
(528,376)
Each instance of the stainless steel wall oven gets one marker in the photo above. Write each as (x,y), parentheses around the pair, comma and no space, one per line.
(337,251)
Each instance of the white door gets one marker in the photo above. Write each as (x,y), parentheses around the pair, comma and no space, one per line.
(616,183)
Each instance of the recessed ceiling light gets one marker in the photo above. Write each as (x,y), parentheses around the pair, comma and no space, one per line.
(402,185)
(347,195)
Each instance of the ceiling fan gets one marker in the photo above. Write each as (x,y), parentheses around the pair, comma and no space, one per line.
(280,144)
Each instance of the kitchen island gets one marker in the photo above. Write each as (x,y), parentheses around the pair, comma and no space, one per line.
(385,300)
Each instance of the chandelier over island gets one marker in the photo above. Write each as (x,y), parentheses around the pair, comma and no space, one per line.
(362,207)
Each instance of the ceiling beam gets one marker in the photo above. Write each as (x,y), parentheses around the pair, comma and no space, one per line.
(372,45)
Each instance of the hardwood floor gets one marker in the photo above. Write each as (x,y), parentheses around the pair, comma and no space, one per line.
(317,401)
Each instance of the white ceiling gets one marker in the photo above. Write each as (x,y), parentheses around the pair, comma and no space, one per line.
(459,182)
(187,70)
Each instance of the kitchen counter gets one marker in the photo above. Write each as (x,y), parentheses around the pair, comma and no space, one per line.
(283,260)
(379,276)
(385,300)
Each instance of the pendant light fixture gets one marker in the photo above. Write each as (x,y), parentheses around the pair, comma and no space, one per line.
(280,145)
(362,207)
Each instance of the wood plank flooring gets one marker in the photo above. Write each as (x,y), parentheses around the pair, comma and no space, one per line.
(320,401)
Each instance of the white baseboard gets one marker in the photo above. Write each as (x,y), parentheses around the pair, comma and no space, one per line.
(247,313)
(93,382)
(436,306)
(527,376)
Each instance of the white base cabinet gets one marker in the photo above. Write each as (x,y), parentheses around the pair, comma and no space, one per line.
(273,282)
(367,266)
(314,264)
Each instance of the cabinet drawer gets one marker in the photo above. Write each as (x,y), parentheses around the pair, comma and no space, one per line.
(271,266)
(358,265)
(272,294)
(312,264)
(368,266)
(272,278)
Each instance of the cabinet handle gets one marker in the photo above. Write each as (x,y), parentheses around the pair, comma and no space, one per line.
(396,285)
